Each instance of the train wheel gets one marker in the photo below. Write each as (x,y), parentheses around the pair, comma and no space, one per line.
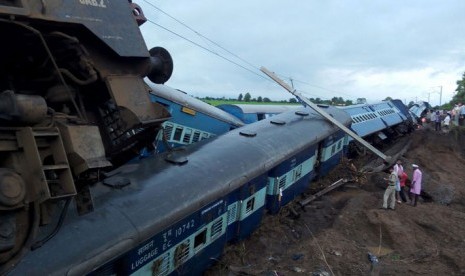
(18,229)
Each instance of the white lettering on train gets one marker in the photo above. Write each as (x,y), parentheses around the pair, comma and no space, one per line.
(94,3)
(146,257)
(145,248)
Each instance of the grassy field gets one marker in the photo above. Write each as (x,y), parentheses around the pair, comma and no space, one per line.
(218,102)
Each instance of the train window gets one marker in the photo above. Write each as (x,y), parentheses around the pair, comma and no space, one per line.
(282,183)
(161,265)
(250,205)
(200,240)
(204,135)
(232,213)
(187,136)
(339,145)
(333,150)
(260,116)
(196,136)
(216,229)
(181,253)
(177,134)
(168,130)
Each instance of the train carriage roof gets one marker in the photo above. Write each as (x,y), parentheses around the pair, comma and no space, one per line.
(183,99)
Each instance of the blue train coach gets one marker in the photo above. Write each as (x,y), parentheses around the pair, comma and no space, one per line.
(192,120)
(250,113)
(173,214)
(380,121)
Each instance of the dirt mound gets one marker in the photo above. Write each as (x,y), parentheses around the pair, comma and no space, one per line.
(336,234)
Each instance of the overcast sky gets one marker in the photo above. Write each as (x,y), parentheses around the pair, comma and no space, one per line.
(352,49)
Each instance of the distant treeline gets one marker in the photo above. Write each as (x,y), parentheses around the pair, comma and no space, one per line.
(248,99)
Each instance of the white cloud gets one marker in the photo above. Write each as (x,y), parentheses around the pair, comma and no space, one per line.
(352,49)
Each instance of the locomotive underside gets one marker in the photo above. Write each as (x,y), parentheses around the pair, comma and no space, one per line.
(71,106)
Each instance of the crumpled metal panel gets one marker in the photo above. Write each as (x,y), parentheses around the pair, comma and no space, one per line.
(111,21)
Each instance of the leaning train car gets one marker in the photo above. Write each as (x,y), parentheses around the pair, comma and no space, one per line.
(250,113)
(380,122)
(192,120)
(173,214)
(419,111)
(73,103)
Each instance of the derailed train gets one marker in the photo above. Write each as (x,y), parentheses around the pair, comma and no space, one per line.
(77,105)
(174,213)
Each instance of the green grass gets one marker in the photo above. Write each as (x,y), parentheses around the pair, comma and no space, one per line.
(218,102)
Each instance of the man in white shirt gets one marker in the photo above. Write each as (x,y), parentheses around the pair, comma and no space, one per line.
(398,169)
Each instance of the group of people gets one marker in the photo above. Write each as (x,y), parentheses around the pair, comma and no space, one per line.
(458,114)
(437,118)
(397,186)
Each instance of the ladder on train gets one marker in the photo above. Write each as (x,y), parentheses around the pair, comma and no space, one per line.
(48,166)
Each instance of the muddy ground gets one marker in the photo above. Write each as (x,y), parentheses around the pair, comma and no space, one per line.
(335,234)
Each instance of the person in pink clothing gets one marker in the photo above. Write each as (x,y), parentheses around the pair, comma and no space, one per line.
(415,187)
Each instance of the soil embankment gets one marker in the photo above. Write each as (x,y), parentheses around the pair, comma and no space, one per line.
(334,235)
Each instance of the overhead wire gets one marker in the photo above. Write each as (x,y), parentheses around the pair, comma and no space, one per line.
(226,50)
(206,49)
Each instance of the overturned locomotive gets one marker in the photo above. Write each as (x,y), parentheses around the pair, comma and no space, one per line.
(73,102)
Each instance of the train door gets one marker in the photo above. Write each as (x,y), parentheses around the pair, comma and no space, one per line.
(319,153)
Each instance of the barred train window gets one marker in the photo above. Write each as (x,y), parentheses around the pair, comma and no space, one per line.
(250,205)
(161,266)
(168,131)
(282,182)
(187,136)
(216,228)
(181,253)
(196,136)
(232,214)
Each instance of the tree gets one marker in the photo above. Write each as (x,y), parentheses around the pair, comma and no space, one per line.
(247,97)
(266,100)
(259,99)
(348,102)
(410,104)
(292,100)
(459,97)
(240,97)
(388,99)
(337,101)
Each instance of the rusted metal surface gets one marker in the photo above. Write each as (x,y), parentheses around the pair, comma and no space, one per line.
(73,103)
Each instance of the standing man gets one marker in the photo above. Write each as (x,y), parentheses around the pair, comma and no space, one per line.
(398,169)
(437,121)
(390,193)
(461,114)
(415,188)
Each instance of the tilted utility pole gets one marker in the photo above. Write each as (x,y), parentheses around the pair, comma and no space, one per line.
(325,115)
